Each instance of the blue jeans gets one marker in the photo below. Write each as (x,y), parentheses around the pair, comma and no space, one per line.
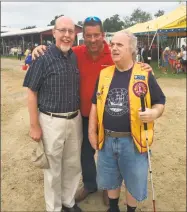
(87,160)
(120,160)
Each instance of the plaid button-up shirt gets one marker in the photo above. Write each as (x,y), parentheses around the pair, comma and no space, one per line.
(55,78)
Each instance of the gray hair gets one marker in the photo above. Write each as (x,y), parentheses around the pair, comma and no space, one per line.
(132,41)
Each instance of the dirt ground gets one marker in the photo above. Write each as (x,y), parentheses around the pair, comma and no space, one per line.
(22,183)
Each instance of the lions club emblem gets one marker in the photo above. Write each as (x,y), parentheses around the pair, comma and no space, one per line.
(139,88)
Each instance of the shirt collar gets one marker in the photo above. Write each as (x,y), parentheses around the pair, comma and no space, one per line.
(57,52)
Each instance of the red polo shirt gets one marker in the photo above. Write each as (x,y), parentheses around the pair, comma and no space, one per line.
(89,73)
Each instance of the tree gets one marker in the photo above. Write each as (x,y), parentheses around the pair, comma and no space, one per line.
(52,23)
(80,23)
(139,16)
(159,13)
(29,27)
(113,24)
(127,22)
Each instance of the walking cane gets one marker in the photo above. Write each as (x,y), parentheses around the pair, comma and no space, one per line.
(148,151)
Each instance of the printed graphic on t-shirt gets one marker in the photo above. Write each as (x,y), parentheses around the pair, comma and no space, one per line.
(117,102)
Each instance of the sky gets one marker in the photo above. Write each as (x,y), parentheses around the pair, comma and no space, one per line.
(22,14)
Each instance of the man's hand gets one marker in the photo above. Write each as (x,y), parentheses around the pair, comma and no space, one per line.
(93,140)
(35,133)
(38,51)
(148,115)
(146,66)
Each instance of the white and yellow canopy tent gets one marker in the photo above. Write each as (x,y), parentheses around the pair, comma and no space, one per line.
(172,24)
(174,21)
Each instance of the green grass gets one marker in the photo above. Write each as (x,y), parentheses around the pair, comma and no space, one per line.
(10,57)
(158,72)
(5,69)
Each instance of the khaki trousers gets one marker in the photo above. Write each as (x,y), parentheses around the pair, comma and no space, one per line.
(62,140)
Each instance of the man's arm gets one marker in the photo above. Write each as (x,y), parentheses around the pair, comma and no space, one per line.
(159,109)
(35,129)
(158,100)
(93,120)
(33,80)
(152,114)
(92,128)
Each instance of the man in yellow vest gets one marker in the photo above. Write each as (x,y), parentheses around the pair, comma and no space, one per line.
(116,123)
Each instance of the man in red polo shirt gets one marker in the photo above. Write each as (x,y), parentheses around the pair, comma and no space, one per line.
(92,58)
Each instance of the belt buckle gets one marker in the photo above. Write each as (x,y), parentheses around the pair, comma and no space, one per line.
(108,132)
(68,116)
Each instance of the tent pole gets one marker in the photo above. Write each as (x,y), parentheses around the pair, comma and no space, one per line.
(172,46)
(176,42)
(152,40)
(23,43)
(3,46)
(158,47)
(148,35)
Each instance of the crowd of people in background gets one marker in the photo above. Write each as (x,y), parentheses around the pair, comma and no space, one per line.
(174,60)
(169,59)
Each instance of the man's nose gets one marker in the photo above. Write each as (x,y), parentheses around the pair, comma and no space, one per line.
(93,38)
(67,34)
(114,47)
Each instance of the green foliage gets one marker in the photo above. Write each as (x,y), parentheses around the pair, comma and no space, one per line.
(52,23)
(113,24)
(158,73)
(159,13)
(139,16)
(127,22)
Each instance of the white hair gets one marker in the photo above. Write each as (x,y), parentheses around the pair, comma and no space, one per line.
(132,41)
(167,48)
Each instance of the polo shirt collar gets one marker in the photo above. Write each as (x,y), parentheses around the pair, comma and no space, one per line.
(57,52)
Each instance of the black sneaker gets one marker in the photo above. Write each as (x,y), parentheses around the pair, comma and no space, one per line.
(75,208)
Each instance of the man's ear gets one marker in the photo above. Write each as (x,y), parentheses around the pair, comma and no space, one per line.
(54,33)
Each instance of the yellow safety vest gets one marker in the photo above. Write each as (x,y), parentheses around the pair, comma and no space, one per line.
(138,83)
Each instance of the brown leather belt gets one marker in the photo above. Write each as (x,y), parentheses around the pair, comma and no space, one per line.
(110,133)
(70,116)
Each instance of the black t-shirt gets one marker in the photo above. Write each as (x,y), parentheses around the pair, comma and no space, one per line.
(116,112)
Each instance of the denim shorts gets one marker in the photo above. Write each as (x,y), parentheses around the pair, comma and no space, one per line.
(120,160)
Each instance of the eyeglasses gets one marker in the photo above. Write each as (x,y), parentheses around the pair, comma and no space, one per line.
(92,18)
(64,30)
